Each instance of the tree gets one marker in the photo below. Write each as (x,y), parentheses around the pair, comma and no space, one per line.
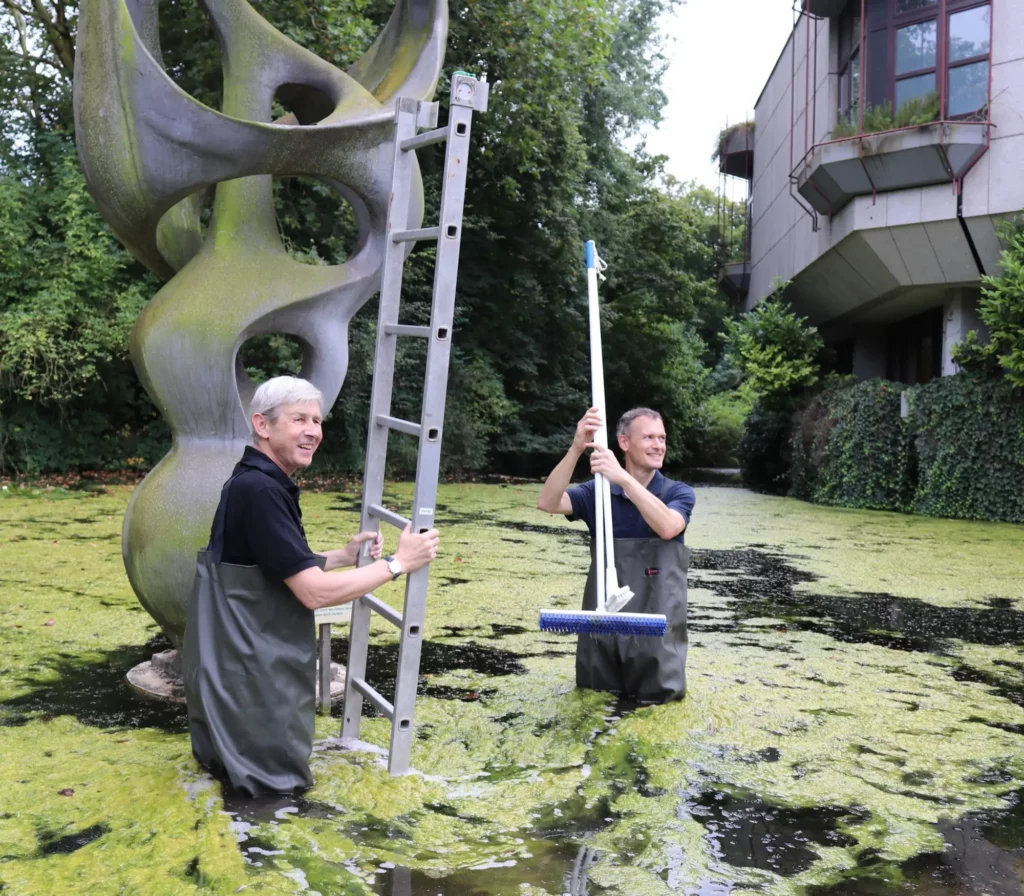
(1002,310)
(548,170)
(778,354)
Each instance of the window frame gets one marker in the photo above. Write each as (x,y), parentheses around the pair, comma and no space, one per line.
(953,7)
(846,105)
(895,24)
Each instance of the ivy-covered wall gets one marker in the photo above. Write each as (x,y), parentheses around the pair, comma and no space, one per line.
(959,453)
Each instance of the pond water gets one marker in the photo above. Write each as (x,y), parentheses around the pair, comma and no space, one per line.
(854,723)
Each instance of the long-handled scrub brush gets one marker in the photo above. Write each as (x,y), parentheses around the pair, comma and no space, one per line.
(611,596)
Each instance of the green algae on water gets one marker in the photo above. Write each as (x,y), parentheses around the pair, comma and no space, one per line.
(845,745)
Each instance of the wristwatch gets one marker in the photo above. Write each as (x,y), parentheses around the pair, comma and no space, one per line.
(394,567)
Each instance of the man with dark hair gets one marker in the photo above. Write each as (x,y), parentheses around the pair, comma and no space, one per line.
(650,513)
(250,652)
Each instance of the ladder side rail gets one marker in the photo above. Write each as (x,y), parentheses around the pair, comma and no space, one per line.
(431,427)
(324,669)
(406,115)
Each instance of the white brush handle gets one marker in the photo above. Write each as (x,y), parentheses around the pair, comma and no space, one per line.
(605,557)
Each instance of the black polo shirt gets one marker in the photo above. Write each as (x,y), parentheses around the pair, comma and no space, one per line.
(627,521)
(263,525)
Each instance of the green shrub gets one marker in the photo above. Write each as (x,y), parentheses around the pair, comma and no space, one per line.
(920,110)
(717,442)
(969,441)
(851,449)
(778,354)
(763,454)
(959,454)
(808,443)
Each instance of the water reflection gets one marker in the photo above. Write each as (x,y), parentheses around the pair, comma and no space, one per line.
(555,874)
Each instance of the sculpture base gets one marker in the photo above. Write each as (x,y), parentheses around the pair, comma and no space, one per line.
(160,678)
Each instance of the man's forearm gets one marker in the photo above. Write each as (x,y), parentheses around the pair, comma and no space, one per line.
(667,523)
(558,481)
(317,589)
(336,559)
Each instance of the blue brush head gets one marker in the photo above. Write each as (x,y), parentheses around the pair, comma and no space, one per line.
(589,622)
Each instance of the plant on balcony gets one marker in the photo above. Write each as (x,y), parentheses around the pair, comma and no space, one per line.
(726,134)
(920,110)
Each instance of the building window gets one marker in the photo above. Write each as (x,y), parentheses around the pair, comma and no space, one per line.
(915,50)
(905,6)
(849,65)
(968,61)
(916,61)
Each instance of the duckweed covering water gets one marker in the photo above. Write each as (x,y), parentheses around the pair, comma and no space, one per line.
(855,722)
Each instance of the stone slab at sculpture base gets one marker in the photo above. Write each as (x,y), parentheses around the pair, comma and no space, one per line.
(159,678)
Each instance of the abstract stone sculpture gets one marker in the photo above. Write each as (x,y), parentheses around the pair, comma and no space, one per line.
(149,151)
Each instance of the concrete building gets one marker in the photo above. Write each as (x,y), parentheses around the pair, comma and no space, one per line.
(889,145)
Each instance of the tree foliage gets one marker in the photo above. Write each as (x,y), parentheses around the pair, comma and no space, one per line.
(777,353)
(1002,310)
(570,84)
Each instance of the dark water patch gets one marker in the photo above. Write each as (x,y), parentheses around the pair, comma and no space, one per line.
(983,856)
(275,807)
(748,833)
(768,754)
(51,844)
(435,658)
(466,695)
(763,585)
(1000,603)
(545,866)
(452,516)
(450,581)
(347,505)
(1002,726)
(460,631)
(1007,689)
(502,630)
(574,816)
(508,717)
(97,694)
(452,812)
(508,540)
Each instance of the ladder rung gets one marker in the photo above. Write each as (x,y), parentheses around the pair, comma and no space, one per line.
(376,699)
(386,610)
(406,426)
(406,330)
(408,236)
(382,513)
(428,138)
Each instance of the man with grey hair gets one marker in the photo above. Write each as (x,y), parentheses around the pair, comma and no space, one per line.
(650,513)
(249,651)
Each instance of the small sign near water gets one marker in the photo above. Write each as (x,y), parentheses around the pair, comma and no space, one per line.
(334,615)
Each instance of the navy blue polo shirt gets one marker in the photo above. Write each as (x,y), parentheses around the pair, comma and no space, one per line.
(627,521)
(263,525)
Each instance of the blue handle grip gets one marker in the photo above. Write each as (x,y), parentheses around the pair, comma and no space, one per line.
(591,254)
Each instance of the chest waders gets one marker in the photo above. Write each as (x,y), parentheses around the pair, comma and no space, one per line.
(250,673)
(649,670)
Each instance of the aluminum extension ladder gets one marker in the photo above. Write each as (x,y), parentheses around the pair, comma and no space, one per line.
(467,95)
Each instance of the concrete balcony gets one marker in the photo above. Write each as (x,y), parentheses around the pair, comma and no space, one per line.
(825,9)
(734,279)
(736,153)
(834,173)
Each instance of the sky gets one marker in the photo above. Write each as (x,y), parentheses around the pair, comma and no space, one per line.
(721,52)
